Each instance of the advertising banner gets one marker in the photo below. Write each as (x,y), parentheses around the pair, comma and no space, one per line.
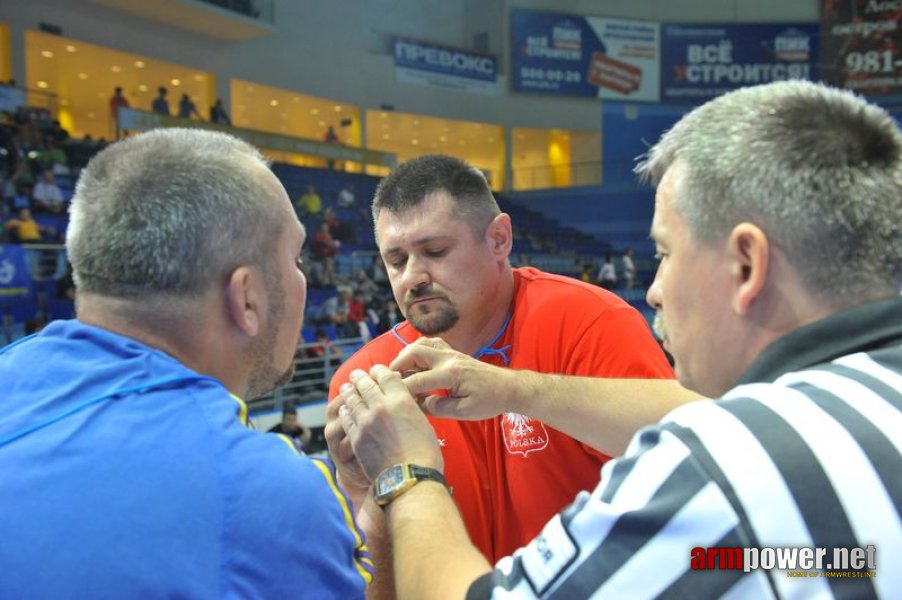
(862,45)
(441,66)
(702,61)
(569,55)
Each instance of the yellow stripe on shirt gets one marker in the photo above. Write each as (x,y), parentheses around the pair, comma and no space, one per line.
(366,573)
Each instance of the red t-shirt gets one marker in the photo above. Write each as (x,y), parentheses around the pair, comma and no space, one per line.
(511,474)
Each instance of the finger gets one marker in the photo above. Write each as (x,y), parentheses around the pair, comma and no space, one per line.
(419,356)
(440,406)
(348,424)
(364,385)
(426,381)
(389,382)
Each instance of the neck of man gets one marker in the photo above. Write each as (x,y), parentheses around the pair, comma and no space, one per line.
(469,335)
(189,333)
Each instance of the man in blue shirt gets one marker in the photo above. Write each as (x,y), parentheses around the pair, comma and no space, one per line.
(129,469)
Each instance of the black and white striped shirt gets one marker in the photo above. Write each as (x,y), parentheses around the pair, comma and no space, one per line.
(805,452)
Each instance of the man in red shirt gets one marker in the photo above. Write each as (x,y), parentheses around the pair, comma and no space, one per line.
(446,245)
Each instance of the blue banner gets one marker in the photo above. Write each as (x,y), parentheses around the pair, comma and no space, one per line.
(14,277)
(442,66)
(702,61)
(570,55)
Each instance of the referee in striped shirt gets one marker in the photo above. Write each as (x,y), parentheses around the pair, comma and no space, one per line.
(778,223)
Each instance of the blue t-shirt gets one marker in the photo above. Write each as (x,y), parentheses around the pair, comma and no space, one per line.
(127,475)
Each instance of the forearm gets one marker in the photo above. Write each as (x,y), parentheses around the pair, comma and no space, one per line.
(433,555)
(603,413)
(372,520)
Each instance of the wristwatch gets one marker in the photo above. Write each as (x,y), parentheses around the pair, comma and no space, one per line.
(397,479)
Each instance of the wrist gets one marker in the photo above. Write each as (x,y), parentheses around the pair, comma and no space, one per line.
(398,479)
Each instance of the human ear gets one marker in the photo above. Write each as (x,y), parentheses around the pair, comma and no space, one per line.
(244,298)
(748,251)
(500,234)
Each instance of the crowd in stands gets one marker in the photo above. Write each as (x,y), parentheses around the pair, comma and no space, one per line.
(39,163)
(350,299)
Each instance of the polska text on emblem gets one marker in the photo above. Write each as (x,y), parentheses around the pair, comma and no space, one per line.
(523,435)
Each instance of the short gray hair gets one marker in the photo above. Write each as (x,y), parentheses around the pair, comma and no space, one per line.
(172,212)
(818,169)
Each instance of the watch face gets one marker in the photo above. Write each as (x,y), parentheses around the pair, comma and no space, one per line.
(391,477)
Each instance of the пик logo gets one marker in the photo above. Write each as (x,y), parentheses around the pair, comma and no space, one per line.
(792,45)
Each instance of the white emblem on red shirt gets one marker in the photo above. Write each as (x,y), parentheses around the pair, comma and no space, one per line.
(523,435)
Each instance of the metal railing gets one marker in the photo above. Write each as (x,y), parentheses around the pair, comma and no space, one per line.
(555,176)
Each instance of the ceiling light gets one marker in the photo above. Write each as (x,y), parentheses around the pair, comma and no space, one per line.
(70,48)
(443,139)
(250,89)
(314,111)
(337,108)
(42,84)
(273,102)
(175,82)
(385,136)
(139,64)
(322,123)
(82,75)
(415,122)
(142,88)
(383,114)
(198,77)
(115,68)
(46,53)
(414,142)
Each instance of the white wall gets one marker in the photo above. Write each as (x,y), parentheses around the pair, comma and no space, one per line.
(340,49)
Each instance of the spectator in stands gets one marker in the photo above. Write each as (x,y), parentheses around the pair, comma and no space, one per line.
(117,101)
(389,316)
(379,276)
(336,311)
(346,197)
(365,285)
(25,230)
(187,109)
(358,314)
(56,132)
(607,274)
(777,220)
(324,249)
(160,104)
(331,137)
(340,230)
(218,114)
(162,488)
(586,275)
(292,427)
(310,204)
(52,157)
(47,196)
(629,269)
(21,198)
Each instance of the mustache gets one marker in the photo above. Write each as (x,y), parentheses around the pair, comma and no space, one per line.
(420,293)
